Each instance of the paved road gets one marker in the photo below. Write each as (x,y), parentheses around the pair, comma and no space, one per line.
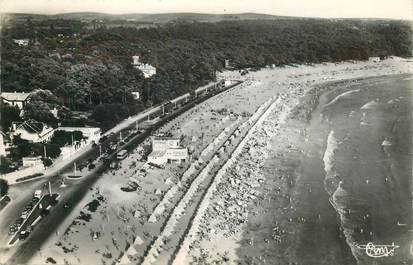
(76,190)
(44,203)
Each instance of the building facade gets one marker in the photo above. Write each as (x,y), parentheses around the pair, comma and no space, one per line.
(167,150)
(32,161)
(15,99)
(32,131)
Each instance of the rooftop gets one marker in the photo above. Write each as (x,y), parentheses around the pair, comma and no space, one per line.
(30,126)
(164,138)
(157,153)
(15,96)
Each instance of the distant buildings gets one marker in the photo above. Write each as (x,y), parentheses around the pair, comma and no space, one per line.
(167,150)
(32,131)
(15,98)
(147,69)
(21,42)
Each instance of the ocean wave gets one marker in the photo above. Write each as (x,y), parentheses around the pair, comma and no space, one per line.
(328,158)
(335,188)
(342,95)
(370,105)
(339,201)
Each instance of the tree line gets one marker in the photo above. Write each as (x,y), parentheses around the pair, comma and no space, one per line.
(89,69)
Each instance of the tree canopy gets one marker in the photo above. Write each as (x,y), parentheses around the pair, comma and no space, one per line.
(89,66)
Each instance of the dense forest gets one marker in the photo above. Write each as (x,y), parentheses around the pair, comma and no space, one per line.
(86,66)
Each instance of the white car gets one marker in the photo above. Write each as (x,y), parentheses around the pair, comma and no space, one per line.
(37,194)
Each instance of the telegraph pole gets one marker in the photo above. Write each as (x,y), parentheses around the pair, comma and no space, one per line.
(50,188)
(74,169)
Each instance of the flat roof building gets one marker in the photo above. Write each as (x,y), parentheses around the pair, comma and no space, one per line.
(167,150)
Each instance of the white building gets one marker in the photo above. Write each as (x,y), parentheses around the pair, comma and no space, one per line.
(21,42)
(92,134)
(135,95)
(167,150)
(30,161)
(55,111)
(15,98)
(147,69)
(136,60)
(32,131)
(162,143)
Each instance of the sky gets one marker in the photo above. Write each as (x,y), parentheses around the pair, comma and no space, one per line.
(396,9)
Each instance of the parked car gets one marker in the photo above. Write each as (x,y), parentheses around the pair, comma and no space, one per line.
(23,235)
(37,194)
(19,222)
(29,207)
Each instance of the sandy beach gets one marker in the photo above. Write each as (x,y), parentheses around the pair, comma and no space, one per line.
(271,203)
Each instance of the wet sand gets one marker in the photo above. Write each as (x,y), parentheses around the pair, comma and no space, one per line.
(305,218)
(298,214)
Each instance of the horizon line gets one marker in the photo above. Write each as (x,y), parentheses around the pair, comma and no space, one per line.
(200,13)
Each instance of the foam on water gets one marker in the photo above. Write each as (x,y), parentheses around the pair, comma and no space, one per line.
(370,105)
(328,158)
(342,95)
(335,189)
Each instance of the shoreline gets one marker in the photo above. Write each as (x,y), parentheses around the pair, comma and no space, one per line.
(292,83)
(216,239)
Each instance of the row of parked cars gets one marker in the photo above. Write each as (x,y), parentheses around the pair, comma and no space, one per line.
(13,228)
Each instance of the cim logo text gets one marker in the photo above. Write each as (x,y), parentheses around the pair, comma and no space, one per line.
(378,251)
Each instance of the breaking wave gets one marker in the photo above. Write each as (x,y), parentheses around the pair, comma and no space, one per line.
(333,184)
(370,105)
(342,95)
(329,159)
